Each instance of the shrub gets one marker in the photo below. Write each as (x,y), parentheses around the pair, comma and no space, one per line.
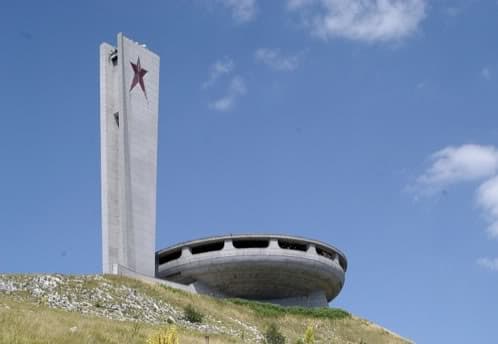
(309,335)
(271,311)
(273,335)
(166,336)
(192,315)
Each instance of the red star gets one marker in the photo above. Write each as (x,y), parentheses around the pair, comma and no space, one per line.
(138,78)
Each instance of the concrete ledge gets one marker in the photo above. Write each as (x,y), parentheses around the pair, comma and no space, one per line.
(123,271)
(280,269)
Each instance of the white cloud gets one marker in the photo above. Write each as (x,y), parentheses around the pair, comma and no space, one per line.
(486,73)
(298,4)
(362,20)
(243,11)
(488,263)
(487,199)
(463,164)
(468,163)
(276,60)
(456,164)
(236,89)
(217,70)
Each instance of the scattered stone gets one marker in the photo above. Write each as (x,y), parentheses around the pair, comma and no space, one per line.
(93,295)
(7,286)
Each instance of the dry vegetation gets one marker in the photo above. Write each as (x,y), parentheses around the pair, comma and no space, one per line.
(27,319)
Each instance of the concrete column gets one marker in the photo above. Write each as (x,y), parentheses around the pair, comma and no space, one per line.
(311,250)
(274,244)
(228,245)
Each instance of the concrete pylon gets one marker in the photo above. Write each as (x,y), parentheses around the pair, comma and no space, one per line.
(129,100)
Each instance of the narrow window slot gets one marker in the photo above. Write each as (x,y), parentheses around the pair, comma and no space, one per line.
(251,243)
(292,245)
(215,246)
(327,254)
(166,258)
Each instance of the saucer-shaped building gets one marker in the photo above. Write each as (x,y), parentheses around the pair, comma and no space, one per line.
(281,269)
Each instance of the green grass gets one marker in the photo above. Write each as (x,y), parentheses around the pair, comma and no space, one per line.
(24,319)
(34,324)
(270,310)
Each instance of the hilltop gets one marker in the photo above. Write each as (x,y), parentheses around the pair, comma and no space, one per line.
(114,309)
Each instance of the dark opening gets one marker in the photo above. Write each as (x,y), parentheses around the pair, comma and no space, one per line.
(327,254)
(291,245)
(258,243)
(214,246)
(342,263)
(165,258)
(114,58)
(116,118)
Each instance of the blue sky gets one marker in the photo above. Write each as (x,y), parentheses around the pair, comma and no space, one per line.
(370,125)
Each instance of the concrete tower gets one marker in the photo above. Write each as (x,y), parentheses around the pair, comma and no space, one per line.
(129,93)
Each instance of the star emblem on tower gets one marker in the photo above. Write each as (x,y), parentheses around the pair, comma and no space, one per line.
(138,77)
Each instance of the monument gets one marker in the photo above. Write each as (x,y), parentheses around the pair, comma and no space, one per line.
(129,94)
(281,269)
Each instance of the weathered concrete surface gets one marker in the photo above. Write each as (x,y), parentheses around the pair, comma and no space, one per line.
(297,274)
(129,80)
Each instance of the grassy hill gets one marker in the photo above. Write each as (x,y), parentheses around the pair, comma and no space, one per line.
(113,309)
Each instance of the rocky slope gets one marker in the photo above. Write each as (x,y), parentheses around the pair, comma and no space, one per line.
(139,308)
